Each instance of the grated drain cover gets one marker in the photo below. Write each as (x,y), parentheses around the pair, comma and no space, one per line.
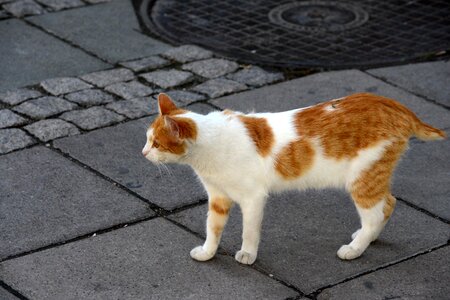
(331,34)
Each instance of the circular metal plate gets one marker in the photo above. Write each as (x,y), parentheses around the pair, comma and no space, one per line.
(325,34)
(318,16)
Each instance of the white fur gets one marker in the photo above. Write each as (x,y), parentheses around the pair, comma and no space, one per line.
(227,163)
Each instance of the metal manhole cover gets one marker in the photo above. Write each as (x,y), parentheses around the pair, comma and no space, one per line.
(300,34)
(318,16)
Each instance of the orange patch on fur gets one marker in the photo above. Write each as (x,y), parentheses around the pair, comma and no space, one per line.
(170,132)
(347,125)
(295,159)
(374,184)
(389,206)
(220,206)
(260,132)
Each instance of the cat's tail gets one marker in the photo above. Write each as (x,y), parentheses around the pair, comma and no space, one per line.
(426,132)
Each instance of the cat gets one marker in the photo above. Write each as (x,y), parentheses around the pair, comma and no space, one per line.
(352,142)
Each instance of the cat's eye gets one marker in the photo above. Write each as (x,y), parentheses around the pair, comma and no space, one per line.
(155,144)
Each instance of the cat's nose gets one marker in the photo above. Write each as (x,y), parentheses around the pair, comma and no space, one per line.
(145,152)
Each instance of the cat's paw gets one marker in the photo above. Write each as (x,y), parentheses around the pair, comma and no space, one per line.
(347,252)
(355,234)
(198,253)
(245,257)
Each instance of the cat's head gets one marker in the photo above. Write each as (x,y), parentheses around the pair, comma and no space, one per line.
(170,134)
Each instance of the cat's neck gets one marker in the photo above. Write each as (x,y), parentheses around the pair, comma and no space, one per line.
(209,151)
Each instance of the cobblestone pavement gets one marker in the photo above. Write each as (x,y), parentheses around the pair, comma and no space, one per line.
(84,216)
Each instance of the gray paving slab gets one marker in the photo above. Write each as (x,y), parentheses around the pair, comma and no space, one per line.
(109,30)
(104,78)
(23,8)
(146,63)
(219,87)
(44,107)
(8,119)
(320,87)
(430,79)
(184,97)
(423,176)
(36,56)
(187,53)
(201,108)
(302,232)
(17,96)
(92,118)
(424,277)
(129,90)
(50,129)
(211,68)
(64,85)
(5,295)
(13,139)
(90,97)
(56,5)
(168,78)
(255,76)
(143,261)
(135,108)
(116,153)
(47,199)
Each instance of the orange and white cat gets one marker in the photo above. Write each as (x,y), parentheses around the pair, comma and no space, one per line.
(353,143)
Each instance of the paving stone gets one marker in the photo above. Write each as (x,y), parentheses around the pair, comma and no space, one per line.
(147,63)
(423,177)
(184,97)
(46,199)
(211,68)
(142,261)
(13,139)
(8,119)
(201,108)
(423,277)
(110,30)
(104,78)
(44,107)
(187,53)
(320,87)
(116,152)
(431,79)
(302,232)
(58,86)
(56,5)
(90,97)
(4,14)
(23,8)
(135,108)
(51,129)
(97,1)
(219,87)
(168,78)
(129,90)
(92,118)
(18,96)
(37,56)
(255,76)
(5,295)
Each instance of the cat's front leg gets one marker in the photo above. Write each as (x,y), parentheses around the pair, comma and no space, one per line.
(252,215)
(218,210)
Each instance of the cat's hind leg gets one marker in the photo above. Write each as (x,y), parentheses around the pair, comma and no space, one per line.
(373,220)
(373,200)
(218,211)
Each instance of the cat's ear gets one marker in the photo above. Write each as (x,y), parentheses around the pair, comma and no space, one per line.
(172,127)
(165,104)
